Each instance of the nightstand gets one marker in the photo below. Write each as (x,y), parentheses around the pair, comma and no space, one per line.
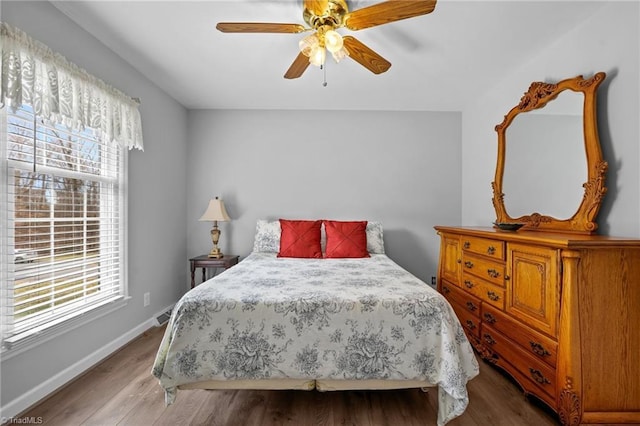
(204,262)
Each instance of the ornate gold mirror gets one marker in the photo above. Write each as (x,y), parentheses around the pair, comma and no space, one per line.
(550,172)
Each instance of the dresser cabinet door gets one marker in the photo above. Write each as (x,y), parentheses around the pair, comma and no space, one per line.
(533,286)
(451,258)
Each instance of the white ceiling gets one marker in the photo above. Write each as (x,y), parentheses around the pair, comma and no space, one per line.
(440,60)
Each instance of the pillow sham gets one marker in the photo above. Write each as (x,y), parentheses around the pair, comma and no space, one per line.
(300,238)
(267,239)
(375,241)
(345,239)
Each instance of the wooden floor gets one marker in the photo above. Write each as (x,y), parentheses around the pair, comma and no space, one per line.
(121,391)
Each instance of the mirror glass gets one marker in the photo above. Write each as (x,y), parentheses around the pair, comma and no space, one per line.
(545,159)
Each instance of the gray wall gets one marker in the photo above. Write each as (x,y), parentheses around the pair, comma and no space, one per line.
(609,42)
(157,208)
(399,168)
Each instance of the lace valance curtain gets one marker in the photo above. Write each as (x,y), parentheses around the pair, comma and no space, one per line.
(61,92)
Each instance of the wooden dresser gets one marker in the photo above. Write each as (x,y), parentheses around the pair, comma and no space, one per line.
(559,312)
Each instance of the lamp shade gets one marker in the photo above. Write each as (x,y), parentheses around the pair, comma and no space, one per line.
(215,212)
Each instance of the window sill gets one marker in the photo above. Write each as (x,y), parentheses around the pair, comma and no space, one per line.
(30,339)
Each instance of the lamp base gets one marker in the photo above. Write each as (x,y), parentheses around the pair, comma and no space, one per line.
(215,237)
(215,253)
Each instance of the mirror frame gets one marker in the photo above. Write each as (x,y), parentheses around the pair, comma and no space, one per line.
(538,95)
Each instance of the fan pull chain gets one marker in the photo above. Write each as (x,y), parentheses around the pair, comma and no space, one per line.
(324,72)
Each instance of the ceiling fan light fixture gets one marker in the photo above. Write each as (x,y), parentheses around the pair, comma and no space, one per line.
(308,44)
(324,17)
(333,41)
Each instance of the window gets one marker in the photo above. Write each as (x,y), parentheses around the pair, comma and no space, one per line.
(64,222)
(64,136)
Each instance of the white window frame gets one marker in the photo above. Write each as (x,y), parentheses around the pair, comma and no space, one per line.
(80,315)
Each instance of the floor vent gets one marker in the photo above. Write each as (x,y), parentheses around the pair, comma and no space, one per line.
(162,318)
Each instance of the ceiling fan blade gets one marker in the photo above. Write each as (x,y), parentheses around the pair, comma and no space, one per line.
(365,56)
(298,66)
(317,7)
(259,27)
(386,12)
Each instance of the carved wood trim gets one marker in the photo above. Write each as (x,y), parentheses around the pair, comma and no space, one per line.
(538,95)
(569,409)
(569,364)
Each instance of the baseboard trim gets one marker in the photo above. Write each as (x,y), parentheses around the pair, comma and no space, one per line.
(19,405)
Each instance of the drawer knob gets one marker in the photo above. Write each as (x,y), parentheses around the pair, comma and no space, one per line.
(538,376)
(466,244)
(538,349)
(487,338)
(468,264)
(493,296)
(493,273)
(468,284)
(445,290)
(491,250)
(489,318)
(471,306)
(470,324)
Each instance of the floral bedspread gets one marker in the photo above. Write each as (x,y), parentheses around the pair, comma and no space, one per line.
(332,319)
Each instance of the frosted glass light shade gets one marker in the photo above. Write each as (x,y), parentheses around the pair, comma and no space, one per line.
(340,54)
(309,43)
(318,56)
(333,41)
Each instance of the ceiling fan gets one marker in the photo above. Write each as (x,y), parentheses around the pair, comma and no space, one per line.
(324,17)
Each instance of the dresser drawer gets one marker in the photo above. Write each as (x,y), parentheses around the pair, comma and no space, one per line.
(531,341)
(483,246)
(467,301)
(484,290)
(469,321)
(487,269)
(538,372)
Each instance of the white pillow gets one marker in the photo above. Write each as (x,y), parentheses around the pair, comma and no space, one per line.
(375,242)
(267,238)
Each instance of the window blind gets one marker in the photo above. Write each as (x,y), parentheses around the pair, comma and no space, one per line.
(65,233)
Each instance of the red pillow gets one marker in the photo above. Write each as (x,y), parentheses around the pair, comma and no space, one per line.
(300,238)
(346,239)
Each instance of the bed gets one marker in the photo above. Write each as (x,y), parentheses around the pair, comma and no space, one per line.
(341,323)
